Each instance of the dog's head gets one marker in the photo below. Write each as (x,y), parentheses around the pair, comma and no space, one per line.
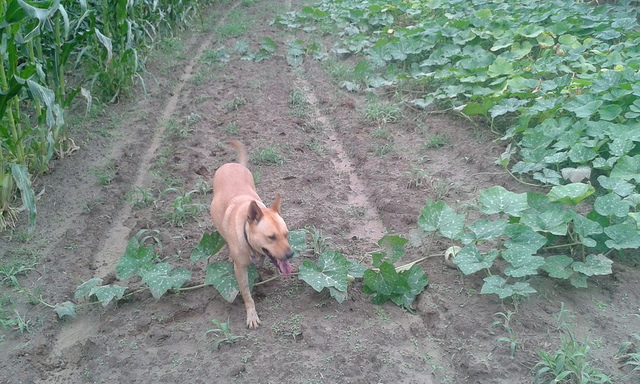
(267,233)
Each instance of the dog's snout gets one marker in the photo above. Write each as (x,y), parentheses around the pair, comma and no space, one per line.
(289,253)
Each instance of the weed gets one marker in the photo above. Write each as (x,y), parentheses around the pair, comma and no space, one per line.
(317,147)
(571,363)
(140,198)
(268,156)
(435,141)
(235,104)
(381,150)
(381,133)
(298,103)
(232,128)
(357,210)
(382,112)
(214,56)
(319,242)
(105,173)
(183,207)
(417,177)
(440,188)
(225,337)
(511,340)
(289,328)
(629,355)
(236,25)
(384,316)
(9,272)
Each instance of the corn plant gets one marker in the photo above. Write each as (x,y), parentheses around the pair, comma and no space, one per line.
(40,41)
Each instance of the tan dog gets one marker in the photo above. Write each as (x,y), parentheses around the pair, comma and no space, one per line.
(251,230)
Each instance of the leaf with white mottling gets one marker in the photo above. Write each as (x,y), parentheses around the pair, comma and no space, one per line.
(162,277)
(499,200)
(106,293)
(331,271)
(221,275)
(594,265)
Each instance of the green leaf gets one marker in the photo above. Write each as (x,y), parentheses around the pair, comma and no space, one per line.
(594,265)
(65,309)
(381,283)
(487,229)
(609,112)
(162,277)
(417,280)
(106,293)
(498,200)
(623,236)
(557,266)
(611,205)
(522,263)
(393,250)
(470,260)
(616,185)
(571,194)
(584,228)
(500,67)
(331,271)
(438,216)
(269,45)
(23,181)
(498,285)
(83,289)
(135,259)
(298,241)
(627,168)
(552,221)
(523,239)
(220,274)
(579,280)
(209,245)
(356,270)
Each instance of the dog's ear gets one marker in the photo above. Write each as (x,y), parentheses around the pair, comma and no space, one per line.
(255,213)
(276,205)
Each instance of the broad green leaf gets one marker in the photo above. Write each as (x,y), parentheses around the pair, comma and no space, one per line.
(523,239)
(162,277)
(106,293)
(356,270)
(470,260)
(500,67)
(298,241)
(579,280)
(393,249)
(530,30)
(609,112)
(221,275)
(65,309)
(505,106)
(83,289)
(627,168)
(584,228)
(581,154)
(498,200)
(381,283)
(135,259)
(438,216)
(417,280)
(268,44)
(557,266)
(587,110)
(522,263)
(593,265)
(570,194)
(209,245)
(499,286)
(618,186)
(487,229)
(552,221)
(331,271)
(611,205)
(622,236)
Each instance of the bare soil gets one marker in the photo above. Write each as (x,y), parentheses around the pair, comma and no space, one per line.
(351,177)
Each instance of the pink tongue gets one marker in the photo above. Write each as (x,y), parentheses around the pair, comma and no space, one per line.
(285,267)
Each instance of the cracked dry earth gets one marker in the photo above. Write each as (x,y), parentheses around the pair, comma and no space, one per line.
(349,177)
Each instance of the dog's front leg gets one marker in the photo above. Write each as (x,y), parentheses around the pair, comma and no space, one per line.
(242,276)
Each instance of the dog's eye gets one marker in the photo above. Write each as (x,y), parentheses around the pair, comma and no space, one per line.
(272,237)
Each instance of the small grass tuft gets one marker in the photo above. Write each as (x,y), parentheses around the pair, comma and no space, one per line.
(268,156)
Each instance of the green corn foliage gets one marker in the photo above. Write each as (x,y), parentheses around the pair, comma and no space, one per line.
(105,42)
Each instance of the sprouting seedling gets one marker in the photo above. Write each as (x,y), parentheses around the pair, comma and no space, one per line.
(223,333)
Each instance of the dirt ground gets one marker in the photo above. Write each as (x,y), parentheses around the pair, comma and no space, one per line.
(346,175)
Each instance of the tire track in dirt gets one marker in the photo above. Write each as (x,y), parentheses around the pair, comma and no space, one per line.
(117,237)
(372,228)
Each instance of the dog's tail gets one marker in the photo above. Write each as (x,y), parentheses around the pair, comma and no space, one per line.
(242,151)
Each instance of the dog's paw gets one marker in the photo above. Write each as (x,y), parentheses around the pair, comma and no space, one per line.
(252,319)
